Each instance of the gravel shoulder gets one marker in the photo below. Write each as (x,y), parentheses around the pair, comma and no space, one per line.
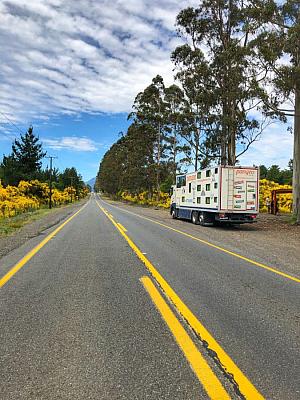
(272,240)
(37,227)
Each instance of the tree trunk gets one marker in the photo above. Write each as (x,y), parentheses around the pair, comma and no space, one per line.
(196,156)
(232,141)
(296,160)
(223,150)
(231,149)
(224,135)
(197,146)
(158,164)
(174,155)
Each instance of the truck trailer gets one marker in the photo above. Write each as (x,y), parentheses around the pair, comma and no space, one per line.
(221,194)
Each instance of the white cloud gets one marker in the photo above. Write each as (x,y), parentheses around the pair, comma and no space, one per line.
(61,56)
(87,56)
(72,143)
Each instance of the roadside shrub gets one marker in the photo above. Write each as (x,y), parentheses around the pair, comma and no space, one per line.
(144,198)
(285,201)
(31,195)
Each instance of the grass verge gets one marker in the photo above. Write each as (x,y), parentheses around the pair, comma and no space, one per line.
(10,225)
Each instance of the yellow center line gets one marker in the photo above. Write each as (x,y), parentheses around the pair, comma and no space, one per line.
(122,227)
(206,376)
(245,386)
(32,252)
(249,260)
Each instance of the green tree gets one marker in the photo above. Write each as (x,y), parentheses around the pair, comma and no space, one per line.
(110,171)
(44,175)
(28,153)
(129,164)
(193,74)
(274,173)
(10,173)
(70,177)
(24,163)
(174,109)
(263,171)
(281,40)
(227,74)
(149,111)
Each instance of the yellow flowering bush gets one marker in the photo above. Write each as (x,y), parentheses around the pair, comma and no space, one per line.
(31,195)
(285,201)
(13,201)
(144,198)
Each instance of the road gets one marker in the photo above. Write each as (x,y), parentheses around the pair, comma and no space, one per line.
(111,305)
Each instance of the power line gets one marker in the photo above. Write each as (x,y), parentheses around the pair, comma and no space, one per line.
(5,134)
(10,135)
(12,123)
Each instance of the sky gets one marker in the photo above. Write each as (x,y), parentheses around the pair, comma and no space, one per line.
(73,68)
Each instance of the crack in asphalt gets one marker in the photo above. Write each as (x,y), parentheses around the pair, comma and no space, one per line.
(203,343)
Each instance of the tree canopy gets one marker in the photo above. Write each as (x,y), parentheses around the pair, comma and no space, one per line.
(234,75)
(25,163)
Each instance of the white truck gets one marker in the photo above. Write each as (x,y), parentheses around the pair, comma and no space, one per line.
(217,194)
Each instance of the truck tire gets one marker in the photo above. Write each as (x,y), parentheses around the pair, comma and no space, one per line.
(174,213)
(203,218)
(206,219)
(195,218)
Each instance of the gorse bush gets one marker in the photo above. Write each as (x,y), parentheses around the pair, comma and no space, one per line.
(31,195)
(144,198)
(285,201)
(266,187)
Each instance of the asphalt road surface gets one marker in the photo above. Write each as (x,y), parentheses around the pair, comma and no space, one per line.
(110,305)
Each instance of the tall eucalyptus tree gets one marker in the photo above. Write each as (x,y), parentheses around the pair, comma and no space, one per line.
(279,49)
(218,68)
(149,111)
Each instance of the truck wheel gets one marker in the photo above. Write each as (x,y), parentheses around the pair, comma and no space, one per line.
(195,218)
(206,219)
(173,213)
(202,219)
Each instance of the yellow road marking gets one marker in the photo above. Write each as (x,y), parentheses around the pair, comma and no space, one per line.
(266,267)
(122,227)
(245,386)
(206,376)
(31,253)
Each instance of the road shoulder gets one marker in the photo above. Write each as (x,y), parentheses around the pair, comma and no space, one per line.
(37,227)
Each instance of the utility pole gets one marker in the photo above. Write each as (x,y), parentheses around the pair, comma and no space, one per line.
(158,151)
(72,178)
(50,181)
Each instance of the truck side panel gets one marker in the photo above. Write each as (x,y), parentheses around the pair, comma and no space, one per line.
(198,190)
(239,189)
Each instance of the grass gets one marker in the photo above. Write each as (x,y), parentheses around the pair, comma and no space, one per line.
(293,220)
(10,225)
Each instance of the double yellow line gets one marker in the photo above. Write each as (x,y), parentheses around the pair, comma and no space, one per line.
(205,375)
(210,382)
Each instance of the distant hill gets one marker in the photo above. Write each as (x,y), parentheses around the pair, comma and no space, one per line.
(91,182)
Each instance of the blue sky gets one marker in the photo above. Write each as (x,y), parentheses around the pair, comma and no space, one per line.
(72,69)
(80,141)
